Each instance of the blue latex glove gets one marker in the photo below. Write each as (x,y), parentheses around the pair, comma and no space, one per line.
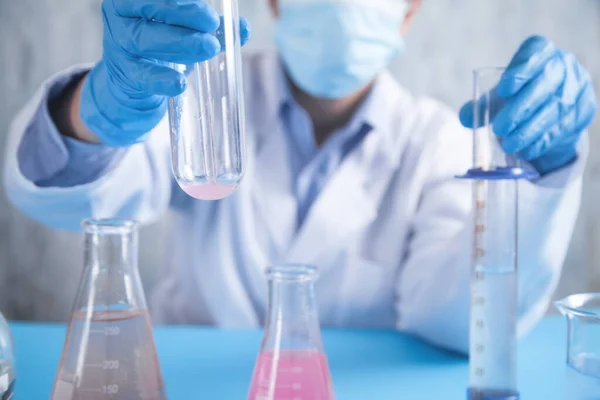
(543,103)
(125,94)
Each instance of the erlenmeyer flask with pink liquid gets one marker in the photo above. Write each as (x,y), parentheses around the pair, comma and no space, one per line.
(292,362)
(109,350)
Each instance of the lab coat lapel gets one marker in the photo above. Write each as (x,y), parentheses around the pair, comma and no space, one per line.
(346,205)
(349,201)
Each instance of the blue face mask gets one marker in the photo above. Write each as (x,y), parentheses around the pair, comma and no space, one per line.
(334,49)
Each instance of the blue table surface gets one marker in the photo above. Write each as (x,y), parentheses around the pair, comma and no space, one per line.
(208,363)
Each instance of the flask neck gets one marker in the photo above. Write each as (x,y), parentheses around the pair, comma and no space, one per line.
(111,280)
(111,245)
(292,319)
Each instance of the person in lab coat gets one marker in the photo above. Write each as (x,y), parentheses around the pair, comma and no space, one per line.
(347,170)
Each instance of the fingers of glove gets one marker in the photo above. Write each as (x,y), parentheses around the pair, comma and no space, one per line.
(192,14)
(156,79)
(486,109)
(554,159)
(576,79)
(552,128)
(166,43)
(528,62)
(547,142)
(532,130)
(537,92)
(244,28)
(586,109)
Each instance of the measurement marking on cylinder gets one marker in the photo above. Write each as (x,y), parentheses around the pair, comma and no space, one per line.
(479,252)
(90,390)
(110,389)
(112,331)
(479,371)
(479,348)
(479,204)
(479,300)
(479,324)
(93,365)
(479,228)
(110,364)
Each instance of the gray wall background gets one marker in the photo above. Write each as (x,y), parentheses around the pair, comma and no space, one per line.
(40,268)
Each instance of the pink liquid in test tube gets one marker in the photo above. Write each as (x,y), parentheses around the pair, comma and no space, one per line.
(210,190)
(289,374)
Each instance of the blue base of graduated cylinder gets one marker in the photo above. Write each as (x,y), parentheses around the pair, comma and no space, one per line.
(477,394)
(499,173)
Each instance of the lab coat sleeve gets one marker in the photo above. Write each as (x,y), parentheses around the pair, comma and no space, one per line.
(434,285)
(48,158)
(133,183)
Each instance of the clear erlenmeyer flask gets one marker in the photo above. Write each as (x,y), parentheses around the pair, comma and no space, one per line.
(109,350)
(7,367)
(583,345)
(291,363)
(208,147)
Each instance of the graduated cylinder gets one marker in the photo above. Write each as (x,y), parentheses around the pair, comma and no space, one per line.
(208,146)
(494,279)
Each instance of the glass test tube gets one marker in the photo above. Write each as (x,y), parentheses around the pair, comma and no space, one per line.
(208,147)
(493,319)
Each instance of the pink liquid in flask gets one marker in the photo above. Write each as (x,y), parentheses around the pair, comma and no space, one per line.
(109,356)
(210,190)
(291,375)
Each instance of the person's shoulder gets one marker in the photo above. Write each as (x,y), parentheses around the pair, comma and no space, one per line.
(428,132)
(420,111)
(432,132)
(435,122)
(422,118)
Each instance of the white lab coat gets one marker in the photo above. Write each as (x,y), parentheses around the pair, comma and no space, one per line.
(390,232)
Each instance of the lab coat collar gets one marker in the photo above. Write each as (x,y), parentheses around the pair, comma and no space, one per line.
(286,97)
(349,201)
(378,103)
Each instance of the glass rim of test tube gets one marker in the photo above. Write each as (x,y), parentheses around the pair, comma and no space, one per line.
(292,272)
(109,225)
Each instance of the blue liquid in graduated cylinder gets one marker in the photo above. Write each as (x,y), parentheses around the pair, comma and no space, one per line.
(493,335)
(583,377)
